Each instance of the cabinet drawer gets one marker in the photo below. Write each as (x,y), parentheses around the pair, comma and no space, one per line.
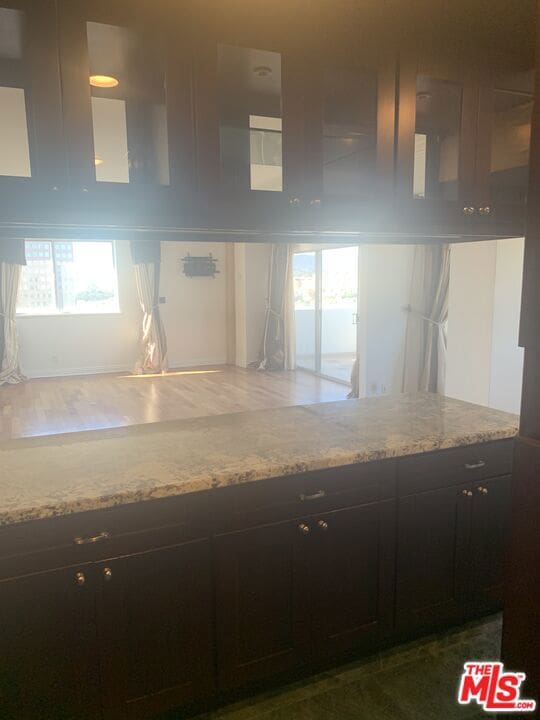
(296,496)
(452,467)
(40,545)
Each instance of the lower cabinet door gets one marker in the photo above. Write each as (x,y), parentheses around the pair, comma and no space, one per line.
(48,649)
(490,526)
(155,621)
(262,603)
(432,558)
(353,572)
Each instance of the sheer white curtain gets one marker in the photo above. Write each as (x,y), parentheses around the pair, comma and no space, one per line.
(10,372)
(279,342)
(424,365)
(153,348)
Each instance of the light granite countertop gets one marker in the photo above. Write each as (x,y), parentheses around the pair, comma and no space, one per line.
(61,474)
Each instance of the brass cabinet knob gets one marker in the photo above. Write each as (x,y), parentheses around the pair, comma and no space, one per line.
(323,524)
(484,210)
(304,529)
(107,574)
(80,579)
(467,493)
(469,210)
(294,201)
(482,490)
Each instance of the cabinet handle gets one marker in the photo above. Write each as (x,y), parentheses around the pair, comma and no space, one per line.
(476,465)
(316,202)
(91,540)
(482,490)
(304,529)
(80,579)
(316,496)
(469,210)
(467,493)
(107,574)
(323,525)
(484,210)
(294,201)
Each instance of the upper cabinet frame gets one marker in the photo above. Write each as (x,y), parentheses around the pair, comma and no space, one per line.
(127,96)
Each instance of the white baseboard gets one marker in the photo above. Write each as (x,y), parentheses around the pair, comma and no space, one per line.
(104,369)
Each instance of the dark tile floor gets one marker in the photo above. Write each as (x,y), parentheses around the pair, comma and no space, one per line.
(417,681)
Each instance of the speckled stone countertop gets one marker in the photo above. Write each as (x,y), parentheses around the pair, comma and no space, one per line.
(62,474)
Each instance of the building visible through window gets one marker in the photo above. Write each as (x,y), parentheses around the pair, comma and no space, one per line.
(64,276)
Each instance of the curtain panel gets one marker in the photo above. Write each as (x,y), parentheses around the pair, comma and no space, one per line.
(10,372)
(279,345)
(424,365)
(153,348)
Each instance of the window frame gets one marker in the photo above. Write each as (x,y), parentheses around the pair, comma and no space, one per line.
(69,313)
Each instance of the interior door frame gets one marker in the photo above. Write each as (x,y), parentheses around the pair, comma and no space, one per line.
(361,315)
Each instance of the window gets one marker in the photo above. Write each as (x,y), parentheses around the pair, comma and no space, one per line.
(64,276)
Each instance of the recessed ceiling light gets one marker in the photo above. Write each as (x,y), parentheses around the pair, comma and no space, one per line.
(98,161)
(103,81)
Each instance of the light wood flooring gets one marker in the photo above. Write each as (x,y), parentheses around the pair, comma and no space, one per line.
(70,404)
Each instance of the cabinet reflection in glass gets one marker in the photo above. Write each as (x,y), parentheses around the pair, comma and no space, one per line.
(129,114)
(250,118)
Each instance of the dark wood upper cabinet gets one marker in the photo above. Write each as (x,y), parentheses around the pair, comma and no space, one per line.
(126,80)
(350,76)
(155,617)
(31,150)
(249,106)
(436,134)
(49,650)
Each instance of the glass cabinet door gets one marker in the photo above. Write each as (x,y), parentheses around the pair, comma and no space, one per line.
(250,119)
(350,120)
(30,110)
(436,143)
(504,133)
(127,109)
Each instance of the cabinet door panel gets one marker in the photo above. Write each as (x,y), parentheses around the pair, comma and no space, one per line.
(489,537)
(262,618)
(353,575)
(156,624)
(127,108)
(31,150)
(432,552)
(48,650)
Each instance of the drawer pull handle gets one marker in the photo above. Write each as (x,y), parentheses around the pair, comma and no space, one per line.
(323,525)
(476,465)
(80,579)
(467,493)
(91,540)
(316,496)
(483,490)
(304,529)
(107,574)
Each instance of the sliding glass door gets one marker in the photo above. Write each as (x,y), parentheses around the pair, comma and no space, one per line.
(326,311)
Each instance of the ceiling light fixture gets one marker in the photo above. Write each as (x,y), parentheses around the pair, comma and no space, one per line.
(103,81)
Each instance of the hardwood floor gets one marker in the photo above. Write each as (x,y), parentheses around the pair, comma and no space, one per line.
(70,404)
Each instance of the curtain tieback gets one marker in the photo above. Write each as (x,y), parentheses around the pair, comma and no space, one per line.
(418,314)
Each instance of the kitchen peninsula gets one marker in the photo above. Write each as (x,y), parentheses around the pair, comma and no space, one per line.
(203,557)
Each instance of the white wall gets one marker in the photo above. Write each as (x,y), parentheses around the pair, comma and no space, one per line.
(194,316)
(385,290)
(507,356)
(470,320)
(251,289)
(484,363)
